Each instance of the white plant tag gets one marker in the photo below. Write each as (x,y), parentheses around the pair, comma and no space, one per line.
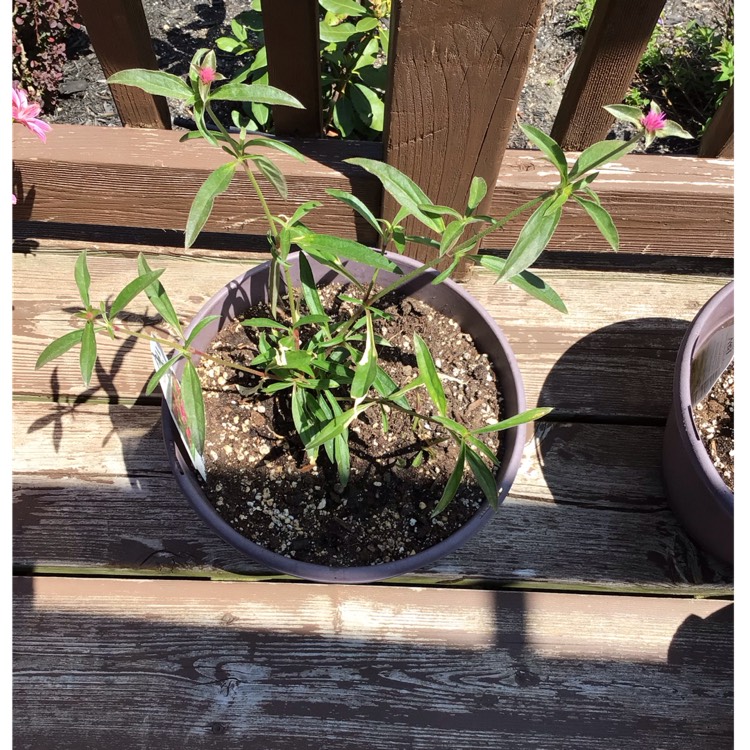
(170,387)
(710,362)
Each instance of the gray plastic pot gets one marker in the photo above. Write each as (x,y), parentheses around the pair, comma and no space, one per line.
(446,297)
(695,489)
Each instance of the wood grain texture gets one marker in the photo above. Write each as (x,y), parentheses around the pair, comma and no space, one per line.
(456,72)
(290,29)
(121,39)
(93,491)
(146,178)
(612,48)
(718,139)
(280,666)
(600,360)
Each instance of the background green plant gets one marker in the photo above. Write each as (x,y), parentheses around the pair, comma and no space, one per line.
(354,48)
(687,68)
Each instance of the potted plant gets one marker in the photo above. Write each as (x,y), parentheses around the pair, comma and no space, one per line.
(696,490)
(322,428)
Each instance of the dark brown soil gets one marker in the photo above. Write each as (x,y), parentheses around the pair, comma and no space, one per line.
(261,482)
(714,417)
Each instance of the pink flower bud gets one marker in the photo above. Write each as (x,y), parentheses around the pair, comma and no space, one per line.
(207,74)
(653,121)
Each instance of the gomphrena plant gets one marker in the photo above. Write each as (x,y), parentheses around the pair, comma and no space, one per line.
(331,374)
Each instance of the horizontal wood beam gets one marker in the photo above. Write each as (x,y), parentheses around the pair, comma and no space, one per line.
(146,178)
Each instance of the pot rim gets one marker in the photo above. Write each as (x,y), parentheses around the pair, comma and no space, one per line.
(186,475)
(703,323)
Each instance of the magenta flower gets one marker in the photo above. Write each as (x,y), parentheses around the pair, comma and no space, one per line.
(26,114)
(207,74)
(653,121)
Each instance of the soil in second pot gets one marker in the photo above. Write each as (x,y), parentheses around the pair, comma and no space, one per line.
(714,418)
(261,482)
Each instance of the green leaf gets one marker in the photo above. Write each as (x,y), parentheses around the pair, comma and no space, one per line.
(216,183)
(88,352)
(602,219)
(157,376)
(526,416)
(158,297)
(548,147)
(337,34)
(258,93)
(367,368)
(369,105)
(310,290)
(386,387)
(431,378)
(307,320)
(532,240)
(477,191)
(302,211)
(438,211)
(343,7)
(485,478)
(452,425)
(132,290)
(327,248)
(402,188)
(673,129)
(264,323)
(83,279)
(367,24)
(443,275)
(59,346)
(154,82)
(199,327)
(625,113)
(358,206)
(272,173)
(278,145)
(454,482)
(451,236)
(529,282)
(601,153)
(337,425)
(192,398)
(480,446)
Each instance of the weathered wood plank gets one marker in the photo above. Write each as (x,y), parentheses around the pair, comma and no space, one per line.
(719,137)
(601,360)
(121,39)
(290,28)
(280,666)
(612,48)
(146,178)
(456,72)
(92,490)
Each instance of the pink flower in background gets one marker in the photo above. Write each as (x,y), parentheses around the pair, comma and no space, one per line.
(653,121)
(26,114)
(207,74)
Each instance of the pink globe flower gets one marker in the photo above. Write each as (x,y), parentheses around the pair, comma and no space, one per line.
(653,121)
(207,74)
(27,114)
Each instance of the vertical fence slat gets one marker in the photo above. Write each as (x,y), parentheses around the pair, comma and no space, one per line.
(612,48)
(456,70)
(291,32)
(121,39)
(718,139)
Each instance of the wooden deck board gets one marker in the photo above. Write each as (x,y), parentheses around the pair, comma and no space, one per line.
(178,664)
(93,491)
(601,360)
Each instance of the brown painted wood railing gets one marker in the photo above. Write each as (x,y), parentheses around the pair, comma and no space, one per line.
(456,73)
